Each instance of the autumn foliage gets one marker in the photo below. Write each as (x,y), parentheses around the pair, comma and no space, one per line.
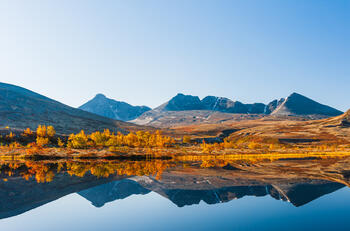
(44,134)
(108,139)
(45,142)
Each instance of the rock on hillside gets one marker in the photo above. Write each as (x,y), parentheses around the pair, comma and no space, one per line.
(345,120)
(273,105)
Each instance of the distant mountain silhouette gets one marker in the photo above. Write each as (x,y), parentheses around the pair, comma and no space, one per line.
(21,108)
(103,106)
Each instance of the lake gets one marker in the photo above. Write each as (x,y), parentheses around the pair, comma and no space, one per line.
(295,194)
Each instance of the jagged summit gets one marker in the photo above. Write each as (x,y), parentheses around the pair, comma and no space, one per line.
(181,102)
(110,108)
(273,105)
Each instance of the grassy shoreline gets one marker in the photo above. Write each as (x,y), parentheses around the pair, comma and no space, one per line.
(180,153)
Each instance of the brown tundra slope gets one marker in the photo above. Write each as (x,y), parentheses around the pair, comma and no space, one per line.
(334,129)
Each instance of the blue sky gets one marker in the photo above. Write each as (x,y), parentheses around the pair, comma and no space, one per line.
(145,51)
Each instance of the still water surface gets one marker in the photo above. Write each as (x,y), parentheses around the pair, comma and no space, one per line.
(182,199)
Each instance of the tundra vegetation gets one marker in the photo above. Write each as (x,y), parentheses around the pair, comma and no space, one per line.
(44,143)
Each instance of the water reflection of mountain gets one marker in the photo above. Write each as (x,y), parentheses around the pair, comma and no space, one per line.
(297,193)
(181,186)
(112,191)
(19,195)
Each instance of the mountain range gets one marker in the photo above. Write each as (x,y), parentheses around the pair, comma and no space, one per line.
(176,110)
(187,109)
(21,108)
(293,105)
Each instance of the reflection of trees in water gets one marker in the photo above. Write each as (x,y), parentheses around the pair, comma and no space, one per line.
(255,158)
(45,172)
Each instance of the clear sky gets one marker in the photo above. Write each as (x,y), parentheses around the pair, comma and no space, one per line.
(146,51)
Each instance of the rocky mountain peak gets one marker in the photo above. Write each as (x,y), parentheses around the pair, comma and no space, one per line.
(183,102)
(297,104)
(110,108)
(100,96)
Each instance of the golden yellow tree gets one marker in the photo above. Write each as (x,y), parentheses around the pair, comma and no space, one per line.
(101,138)
(50,130)
(60,142)
(27,132)
(41,131)
(79,140)
(42,141)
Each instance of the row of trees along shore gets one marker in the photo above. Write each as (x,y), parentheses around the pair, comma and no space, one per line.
(45,136)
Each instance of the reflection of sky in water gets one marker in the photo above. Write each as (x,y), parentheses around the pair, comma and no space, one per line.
(153,212)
